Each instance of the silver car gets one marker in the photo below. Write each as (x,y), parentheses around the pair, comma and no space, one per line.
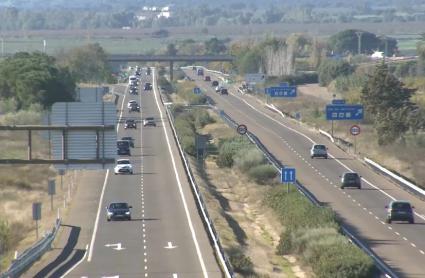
(319,151)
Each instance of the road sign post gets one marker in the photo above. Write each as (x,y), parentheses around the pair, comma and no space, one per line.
(288,175)
(355,130)
(36,215)
(51,188)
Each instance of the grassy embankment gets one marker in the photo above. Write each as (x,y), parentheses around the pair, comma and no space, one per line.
(21,185)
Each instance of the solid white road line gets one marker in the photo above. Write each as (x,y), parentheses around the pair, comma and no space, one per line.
(93,239)
(186,209)
(75,265)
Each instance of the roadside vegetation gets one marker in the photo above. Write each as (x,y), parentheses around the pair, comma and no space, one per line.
(29,84)
(240,188)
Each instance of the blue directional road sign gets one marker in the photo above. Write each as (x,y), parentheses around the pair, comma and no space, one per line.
(288,91)
(344,112)
(287,175)
(338,101)
(197,90)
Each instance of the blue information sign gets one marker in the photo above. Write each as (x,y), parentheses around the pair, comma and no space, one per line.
(288,91)
(287,175)
(197,90)
(344,112)
(338,101)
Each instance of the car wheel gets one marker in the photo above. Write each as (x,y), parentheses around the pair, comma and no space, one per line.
(389,220)
(108,219)
(359,187)
(131,173)
(129,218)
(312,156)
(412,221)
(342,187)
(326,157)
(115,174)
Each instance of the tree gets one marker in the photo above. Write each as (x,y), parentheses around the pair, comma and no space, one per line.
(331,69)
(35,78)
(388,104)
(215,46)
(88,63)
(347,41)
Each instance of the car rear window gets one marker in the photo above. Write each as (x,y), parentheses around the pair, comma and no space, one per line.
(119,206)
(350,176)
(401,206)
(320,147)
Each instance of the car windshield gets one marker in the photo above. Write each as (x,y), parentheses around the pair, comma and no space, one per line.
(130,121)
(127,138)
(320,147)
(122,143)
(401,206)
(149,119)
(120,162)
(118,206)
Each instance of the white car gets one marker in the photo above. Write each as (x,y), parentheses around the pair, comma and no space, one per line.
(123,167)
(131,103)
(319,151)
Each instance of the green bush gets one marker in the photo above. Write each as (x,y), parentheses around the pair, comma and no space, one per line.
(4,237)
(240,262)
(228,148)
(246,159)
(201,117)
(331,69)
(262,173)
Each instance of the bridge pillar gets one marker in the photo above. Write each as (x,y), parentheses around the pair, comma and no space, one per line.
(171,70)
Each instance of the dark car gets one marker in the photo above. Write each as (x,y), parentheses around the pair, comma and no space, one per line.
(148,71)
(224,91)
(130,124)
(400,211)
(193,68)
(129,139)
(134,107)
(148,86)
(133,90)
(207,78)
(123,147)
(214,83)
(351,179)
(118,211)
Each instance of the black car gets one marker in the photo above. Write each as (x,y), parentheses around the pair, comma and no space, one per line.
(224,91)
(129,139)
(207,78)
(148,71)
(148,86)
(214,83)
(400,211)
(134,107)
(118,211)
(130,124)
(123,147)
(351,179)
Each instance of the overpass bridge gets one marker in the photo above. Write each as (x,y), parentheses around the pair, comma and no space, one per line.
(169,58)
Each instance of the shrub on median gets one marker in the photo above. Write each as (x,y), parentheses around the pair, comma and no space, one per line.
(313,233)
(262,174)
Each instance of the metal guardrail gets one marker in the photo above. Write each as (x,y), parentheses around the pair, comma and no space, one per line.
(33,253)
(213,235)
(386,270)
(412,188)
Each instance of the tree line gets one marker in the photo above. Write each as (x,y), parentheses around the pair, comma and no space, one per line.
(29,78)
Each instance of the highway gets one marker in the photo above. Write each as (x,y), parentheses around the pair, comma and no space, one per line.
(401,246)
(166,237)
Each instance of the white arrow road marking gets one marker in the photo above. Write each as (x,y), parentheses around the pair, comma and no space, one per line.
(118,246)
(116,276)
(174,275)
(170,246)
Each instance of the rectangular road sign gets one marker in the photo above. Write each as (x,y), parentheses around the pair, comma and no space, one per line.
(196,90)
(284,84)
(344,112)
(288,175)
(36,211)
(255,77)
(289,91)
(338,101)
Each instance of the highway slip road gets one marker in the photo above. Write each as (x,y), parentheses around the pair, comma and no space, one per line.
(166,236)
(400,245)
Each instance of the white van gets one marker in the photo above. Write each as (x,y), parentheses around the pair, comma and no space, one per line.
(132,79)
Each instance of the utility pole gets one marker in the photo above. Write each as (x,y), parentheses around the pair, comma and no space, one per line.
(359,41)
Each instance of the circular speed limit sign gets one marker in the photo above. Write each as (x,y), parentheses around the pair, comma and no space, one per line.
(355,130)
(242,129)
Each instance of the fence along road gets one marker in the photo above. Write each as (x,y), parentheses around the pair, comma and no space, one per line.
(158,241)
(401,246)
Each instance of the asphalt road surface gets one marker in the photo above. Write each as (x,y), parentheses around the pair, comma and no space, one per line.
(400,245)
(166,237)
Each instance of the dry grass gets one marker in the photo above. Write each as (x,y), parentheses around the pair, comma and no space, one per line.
(235,205)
